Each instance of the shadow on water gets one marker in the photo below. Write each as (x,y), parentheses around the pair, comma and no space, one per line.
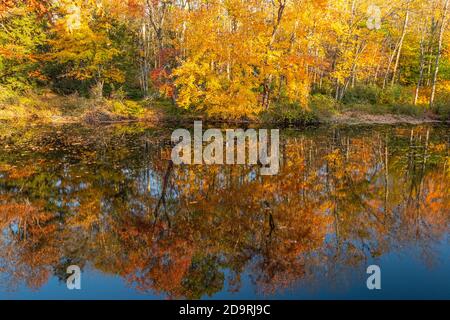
(109,200)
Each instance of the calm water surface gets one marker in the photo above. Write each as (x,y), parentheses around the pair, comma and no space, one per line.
(108,200)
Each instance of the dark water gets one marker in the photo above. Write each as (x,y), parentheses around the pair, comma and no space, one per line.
(107,200)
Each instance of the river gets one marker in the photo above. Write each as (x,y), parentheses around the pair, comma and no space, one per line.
(108,200)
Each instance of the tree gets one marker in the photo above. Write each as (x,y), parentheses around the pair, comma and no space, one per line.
(22,38)
(83,45)
(439,50)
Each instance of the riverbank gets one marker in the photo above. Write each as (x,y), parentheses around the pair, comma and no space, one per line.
(51,108)
(357,117)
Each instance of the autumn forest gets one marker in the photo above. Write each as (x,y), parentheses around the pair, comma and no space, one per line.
(92,91)
(229,59)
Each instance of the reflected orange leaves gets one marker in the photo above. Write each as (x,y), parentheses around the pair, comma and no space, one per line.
(30,249)
(184,231)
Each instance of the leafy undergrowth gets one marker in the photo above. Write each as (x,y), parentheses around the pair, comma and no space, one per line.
(41,107)
(359,106)
(51,108)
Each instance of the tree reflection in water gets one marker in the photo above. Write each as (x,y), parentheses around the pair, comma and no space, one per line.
(112,200)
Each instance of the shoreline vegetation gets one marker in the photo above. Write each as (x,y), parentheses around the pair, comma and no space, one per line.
(273,62)
(49,108)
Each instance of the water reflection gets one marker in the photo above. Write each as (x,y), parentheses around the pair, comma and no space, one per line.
(110,199)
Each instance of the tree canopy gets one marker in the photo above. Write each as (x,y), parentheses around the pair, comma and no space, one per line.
(228,58)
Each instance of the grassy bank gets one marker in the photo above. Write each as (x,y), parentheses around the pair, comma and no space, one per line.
(359,106)
(47,107)
(363,104)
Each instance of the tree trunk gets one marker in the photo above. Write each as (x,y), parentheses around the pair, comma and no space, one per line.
(145,60)
(400,46)
(430,51)
(422,65)
(268,80)
(391,59)
(438,55)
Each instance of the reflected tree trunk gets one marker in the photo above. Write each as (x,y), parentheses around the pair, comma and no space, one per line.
(162,199)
